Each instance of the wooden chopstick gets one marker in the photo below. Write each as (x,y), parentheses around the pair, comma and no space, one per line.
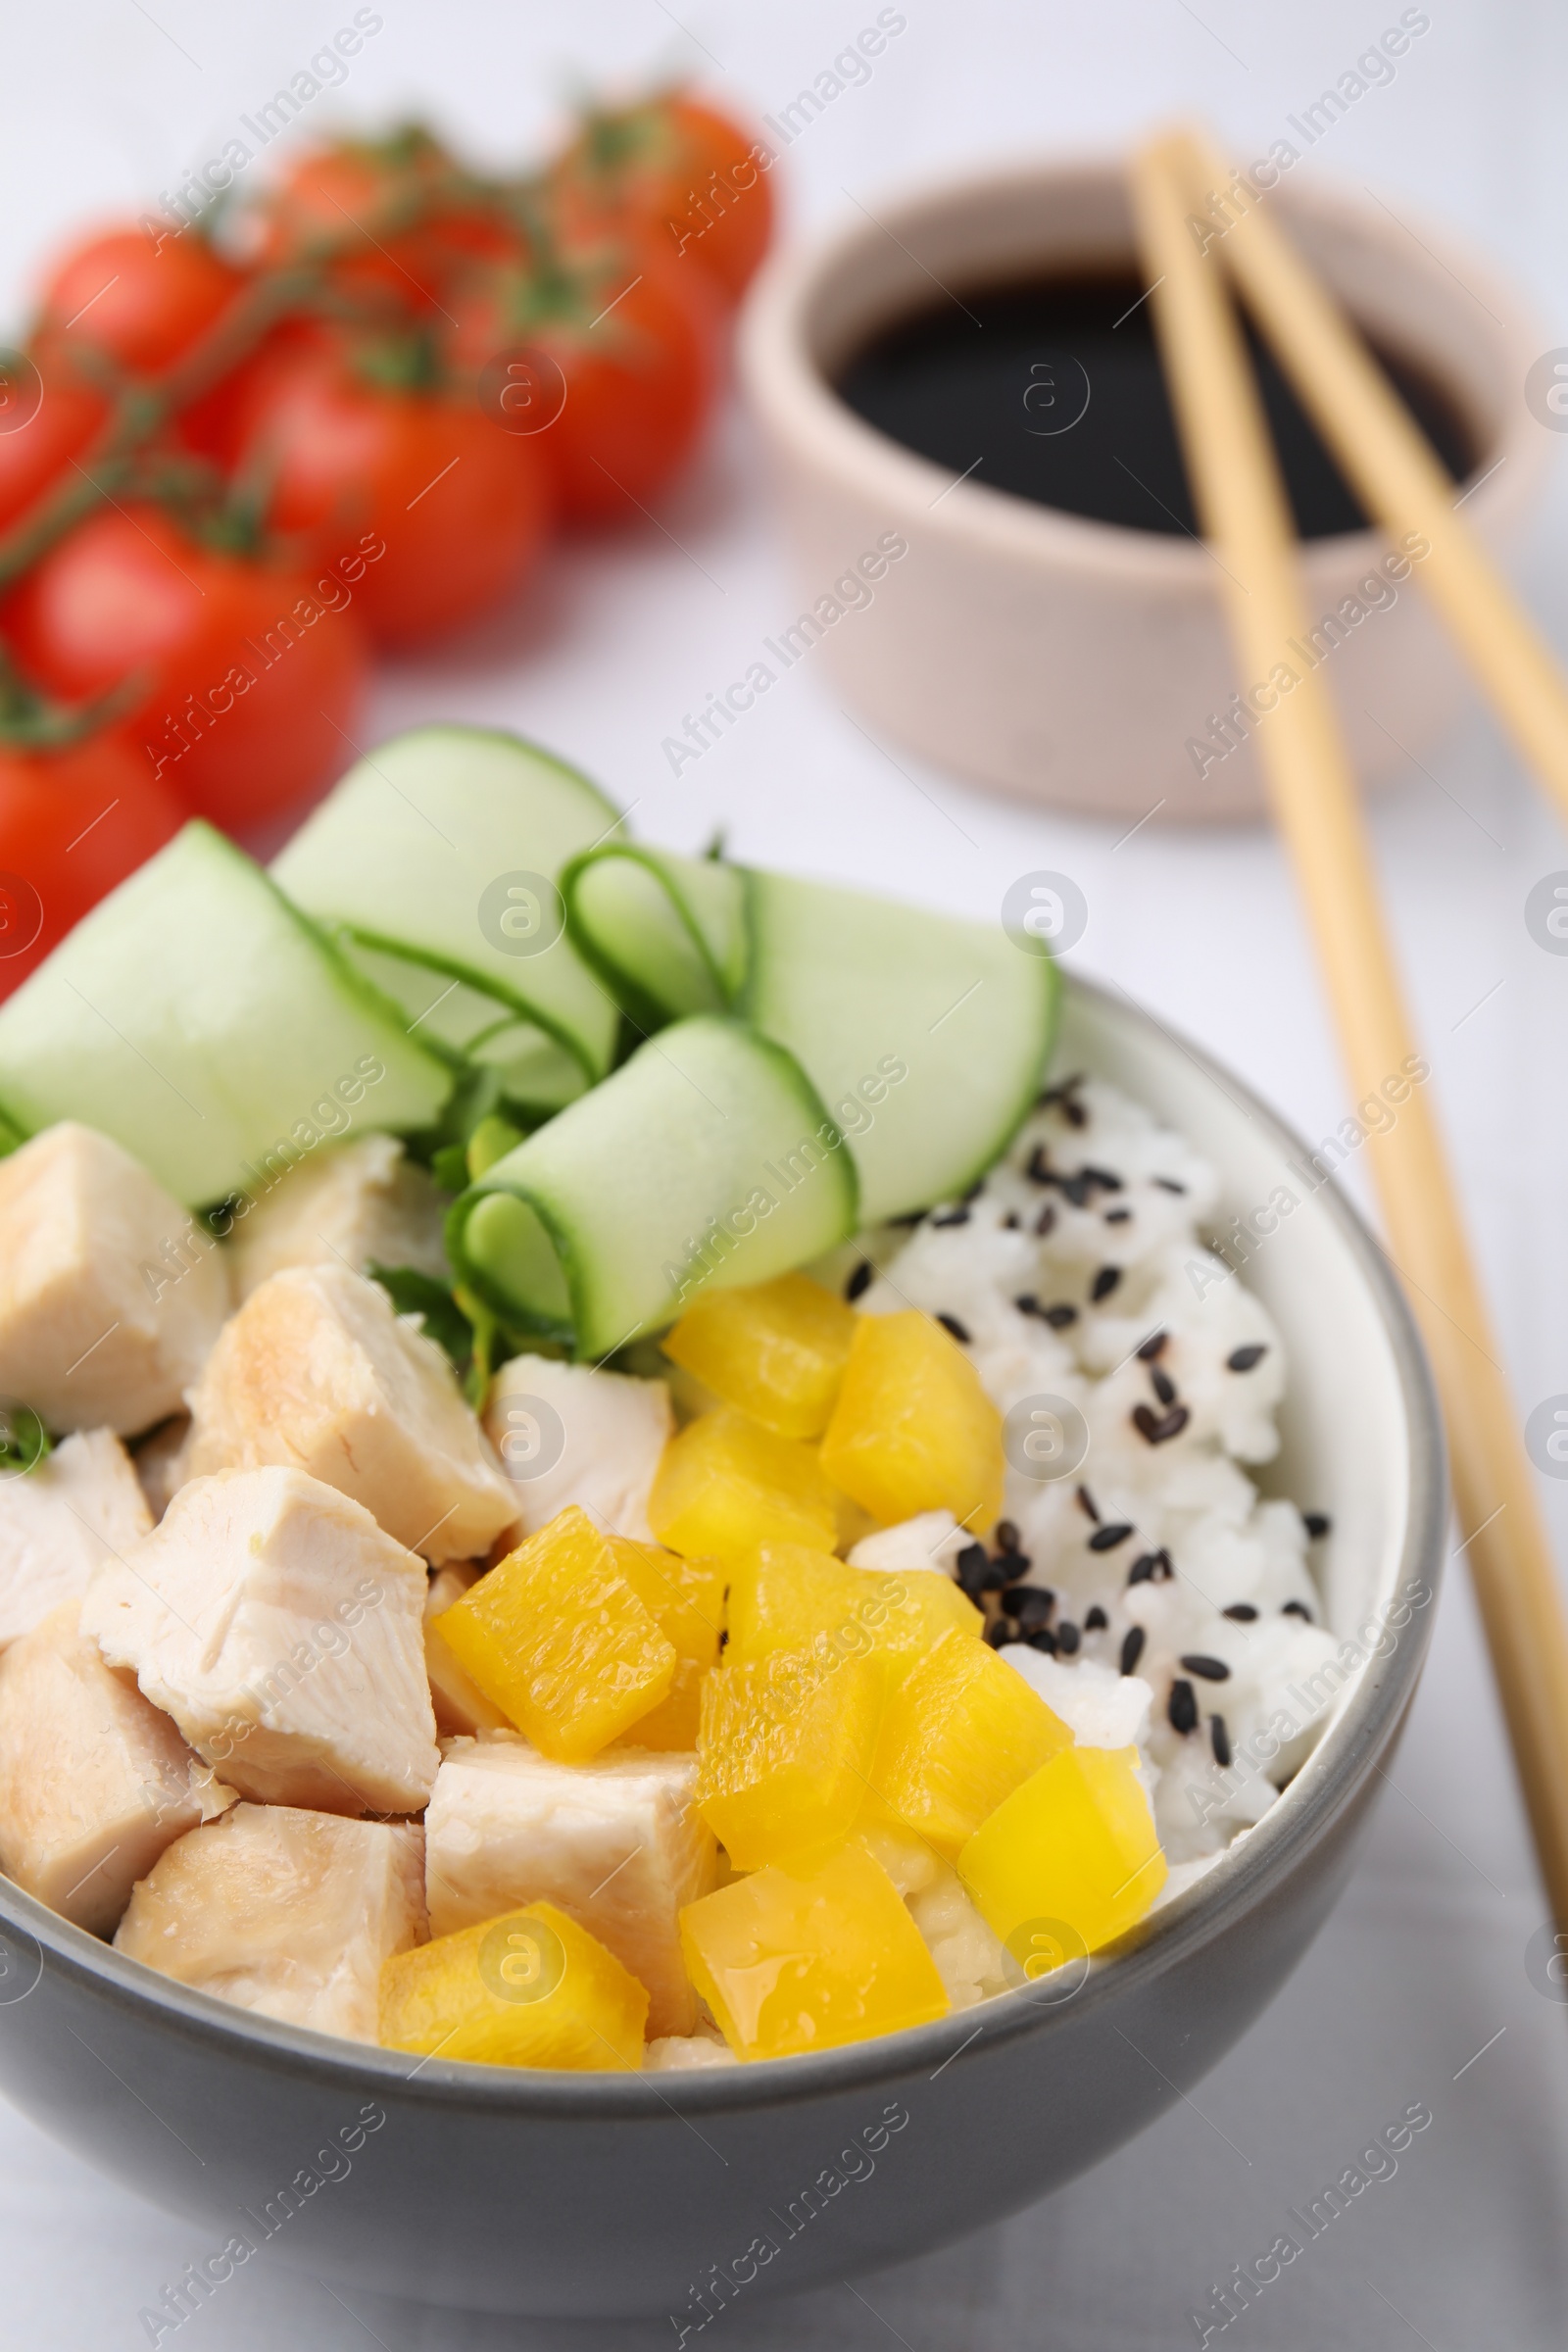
(1244,513)
(1388,460)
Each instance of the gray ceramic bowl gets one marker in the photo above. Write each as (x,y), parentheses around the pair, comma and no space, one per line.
(581,2195)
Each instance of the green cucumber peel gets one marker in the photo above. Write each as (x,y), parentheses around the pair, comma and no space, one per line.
(665,934)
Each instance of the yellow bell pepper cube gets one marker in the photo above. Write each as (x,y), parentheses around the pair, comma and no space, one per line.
(776,1350)
(912,1428)
(784,1754)
(787,1596)
(727,1485)
(685,1598)
(529,1989)
(789,1963)
(558,1640)
(1073,1847)
(960,1730)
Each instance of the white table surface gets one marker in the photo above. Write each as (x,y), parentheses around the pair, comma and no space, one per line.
(1422,1965)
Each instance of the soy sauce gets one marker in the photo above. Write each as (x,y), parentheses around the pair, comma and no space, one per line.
(1052,388)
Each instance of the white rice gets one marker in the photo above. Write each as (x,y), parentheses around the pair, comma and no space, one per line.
(1176,1485)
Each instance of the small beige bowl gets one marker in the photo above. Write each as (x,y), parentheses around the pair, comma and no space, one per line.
(1076,662)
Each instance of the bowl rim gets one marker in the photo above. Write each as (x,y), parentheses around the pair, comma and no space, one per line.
(801,405)
(1366,1717)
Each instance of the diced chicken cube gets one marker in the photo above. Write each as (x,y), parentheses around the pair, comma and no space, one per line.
(616,1843)
(163,1463)
(570,1433)
(285,1911)
(283,1631)
(317,1371)
(94,1781)
(111,1297)
(357,1205)
(460,1704)
(79,1505)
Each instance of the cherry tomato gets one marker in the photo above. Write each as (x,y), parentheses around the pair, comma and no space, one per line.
(681,169)
(38,449)
(252,672)
(461,507)
(141,303)
(372,188)
(73,823)
(637,350)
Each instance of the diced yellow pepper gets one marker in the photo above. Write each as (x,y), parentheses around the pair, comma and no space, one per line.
(912,1428)
(459,1703)
(786,1596)
(1074,1846)
(784,1754)
(789,1963)
(727,1485)
(557,1638)
(685,1598)
(776,1350)
(960,1730)
(529,1989)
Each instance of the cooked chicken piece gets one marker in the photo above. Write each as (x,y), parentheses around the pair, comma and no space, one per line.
(318,1371)
(283,1631)
(94,1781)
(111,1297)
(460,1704)
(569,1433)
(161,1463)
(79,1505)
(615,1843)
(357,1205)
(284,1911)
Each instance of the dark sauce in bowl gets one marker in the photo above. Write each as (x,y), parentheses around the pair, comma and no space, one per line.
(1052,388)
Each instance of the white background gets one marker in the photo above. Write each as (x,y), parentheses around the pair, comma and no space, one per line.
(104,105)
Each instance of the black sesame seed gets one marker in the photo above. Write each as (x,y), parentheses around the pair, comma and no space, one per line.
(1297,1608)
(1151,1347)
(724,1637)
(1208,1669)
(1010,1222)
(1012,1566)
(951,1323)
(1118,1216)
(1037,1167)
(1097,1621)
(1107,1178)
(1107,1539)
(1316,1523)
(1042,1638)
(1168,1184)
(911,1216)
(1104,1283)
(998,1632)
(1142,1569)
(1180,1708)
(1028,1303)
(1164,1566)
(972,1564)
(1158,1427)
(1059,1317)
(952,1216)
(1087,1504)
(860,1281)
(1241,1359)
(1242,1610)
(1006,1536)
(1220,1740)
(1045,1220)
(1067,1639)
(1163,1386)
(1030,1605)
(975,1189)
(1132,1649)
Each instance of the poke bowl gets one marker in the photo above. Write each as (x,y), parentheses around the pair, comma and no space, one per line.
(729,1899)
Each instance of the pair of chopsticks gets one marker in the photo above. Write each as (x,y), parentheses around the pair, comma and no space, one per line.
(1244,515)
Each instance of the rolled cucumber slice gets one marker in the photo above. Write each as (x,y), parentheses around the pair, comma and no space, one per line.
(203,1022)
(707,1159)
(442,849)
(926,1036)
(667,934)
